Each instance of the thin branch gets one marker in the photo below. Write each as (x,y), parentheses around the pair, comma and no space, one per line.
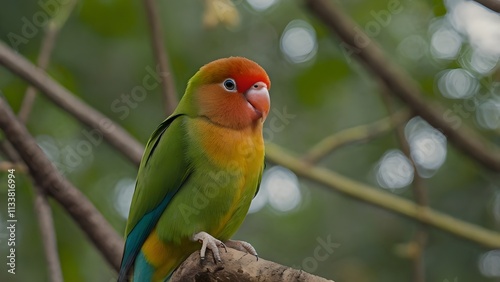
(46,223)
(167,83)
(106,128)
(43,213)
(9,151)
(5,166)
(42,62)
(401,84)
(47,177)
(357,134)
(419,193)
(493,5)
(390,202)
(41,204)
(238,266)
(51,32)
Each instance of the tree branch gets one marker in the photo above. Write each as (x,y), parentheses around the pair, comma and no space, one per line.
(44,215)
(167,83)
(385,200)
(51,32)
(360,133)
(493,5)
(110,131)
(401,84)
(41,204)
(238,266)
(419,193)
(104,237)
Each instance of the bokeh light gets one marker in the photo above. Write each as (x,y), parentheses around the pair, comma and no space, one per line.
(489,264)
(261,5)
(394,170)
(124,191)
(445,43)
(488,114)
(478,23)
(457,84)
(298,41)
(279,188)
(259,201)
(413,47)
(427,146)
(478,62)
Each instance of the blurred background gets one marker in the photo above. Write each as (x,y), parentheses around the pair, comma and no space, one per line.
(103,53)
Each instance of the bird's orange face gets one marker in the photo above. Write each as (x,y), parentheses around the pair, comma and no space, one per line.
(234,93)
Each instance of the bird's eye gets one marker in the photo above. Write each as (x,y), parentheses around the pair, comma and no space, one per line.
(229,84)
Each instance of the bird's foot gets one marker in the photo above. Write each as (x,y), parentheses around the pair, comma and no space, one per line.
(242,246)
(208,241)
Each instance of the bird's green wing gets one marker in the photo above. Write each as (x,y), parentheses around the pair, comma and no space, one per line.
(163,170)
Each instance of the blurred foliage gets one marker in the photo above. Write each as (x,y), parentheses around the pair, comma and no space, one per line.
(104,51)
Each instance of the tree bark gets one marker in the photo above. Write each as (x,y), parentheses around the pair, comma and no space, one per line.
(238,266)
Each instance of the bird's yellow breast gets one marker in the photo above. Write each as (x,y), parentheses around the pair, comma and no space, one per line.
(229,149)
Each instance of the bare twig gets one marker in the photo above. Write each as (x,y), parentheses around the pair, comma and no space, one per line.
(9,151)
(43,61)
(419,193)
(239,266)
(493,5)
(390,202)
(357,134)
(41,203)
(167,83)
(401,84)
(47,177)
(44,215)
(109,130)
(5,166)
(51,32)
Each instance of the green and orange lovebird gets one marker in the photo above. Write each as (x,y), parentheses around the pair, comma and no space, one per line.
(200,170)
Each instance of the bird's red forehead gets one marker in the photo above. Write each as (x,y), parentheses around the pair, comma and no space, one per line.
(245,81)
(244,71)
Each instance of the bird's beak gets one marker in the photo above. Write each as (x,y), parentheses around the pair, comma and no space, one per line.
(258,97)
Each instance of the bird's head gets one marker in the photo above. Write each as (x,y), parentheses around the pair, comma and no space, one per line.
(232,92)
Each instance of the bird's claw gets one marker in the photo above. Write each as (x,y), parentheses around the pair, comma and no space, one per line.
(208,241)
(242,246)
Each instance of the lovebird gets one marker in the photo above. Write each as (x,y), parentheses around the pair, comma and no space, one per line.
(200,170)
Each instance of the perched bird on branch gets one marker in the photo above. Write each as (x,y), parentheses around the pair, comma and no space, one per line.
(200,170)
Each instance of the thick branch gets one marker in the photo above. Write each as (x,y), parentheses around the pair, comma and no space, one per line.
(493,5)
(360,133)
(112,132)
(238,266)
(47,177)
(385,200)
(167,83)
(401,84)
